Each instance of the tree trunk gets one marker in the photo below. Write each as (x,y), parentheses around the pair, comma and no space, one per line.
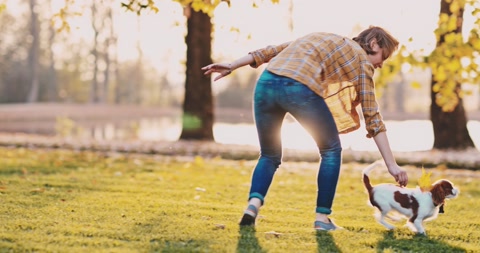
(198,115)
(135,89)
(52,93)
(94,85)
(33,54)
(449,128)
(108,61)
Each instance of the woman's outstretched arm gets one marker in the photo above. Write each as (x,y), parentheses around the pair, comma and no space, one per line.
(224,69)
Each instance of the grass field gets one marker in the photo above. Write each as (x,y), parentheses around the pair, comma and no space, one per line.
(79,201)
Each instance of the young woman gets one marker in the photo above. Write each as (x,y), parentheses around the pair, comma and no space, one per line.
(319,79)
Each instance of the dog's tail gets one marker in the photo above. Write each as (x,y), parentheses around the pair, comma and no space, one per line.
(366,171)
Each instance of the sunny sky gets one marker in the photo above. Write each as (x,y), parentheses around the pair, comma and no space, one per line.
(241,28)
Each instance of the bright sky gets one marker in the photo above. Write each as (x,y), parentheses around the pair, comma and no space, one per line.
(269,24)
(162,34)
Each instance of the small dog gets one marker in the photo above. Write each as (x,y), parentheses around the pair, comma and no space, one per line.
(415,204)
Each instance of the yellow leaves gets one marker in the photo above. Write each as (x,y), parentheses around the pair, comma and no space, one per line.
(424,182)
(443,18)
(206,6)
(199,161)
(416,85)
(452,23)
(447,100)
(447,76)
(3,6)
(454,39)
(475,41)
(138,5)
(64,126)
(59,20)
(440,74)
(456,5)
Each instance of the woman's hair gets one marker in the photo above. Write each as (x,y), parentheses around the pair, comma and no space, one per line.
(384,40)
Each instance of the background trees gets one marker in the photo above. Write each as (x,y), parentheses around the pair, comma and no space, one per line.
(42,62)
(50,54)
(453,63)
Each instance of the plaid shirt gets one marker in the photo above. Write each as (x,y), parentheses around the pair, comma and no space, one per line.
(334,67)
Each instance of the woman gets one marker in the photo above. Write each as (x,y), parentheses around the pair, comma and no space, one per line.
(319,79)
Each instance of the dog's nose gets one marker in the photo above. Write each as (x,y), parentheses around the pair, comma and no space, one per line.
(455,191)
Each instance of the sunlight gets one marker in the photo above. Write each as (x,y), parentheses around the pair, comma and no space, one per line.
(161,35)
(294,136)
(473,129)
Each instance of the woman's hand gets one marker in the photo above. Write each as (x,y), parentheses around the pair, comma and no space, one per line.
(399,174)
(224,69)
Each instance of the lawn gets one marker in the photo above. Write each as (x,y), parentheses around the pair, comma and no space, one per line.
(81,201)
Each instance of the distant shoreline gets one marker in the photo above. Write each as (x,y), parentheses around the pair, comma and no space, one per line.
(79,112)
(17,120)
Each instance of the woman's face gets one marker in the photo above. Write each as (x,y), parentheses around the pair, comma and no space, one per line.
(378,57)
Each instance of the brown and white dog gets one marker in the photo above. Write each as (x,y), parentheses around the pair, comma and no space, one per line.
(415,204)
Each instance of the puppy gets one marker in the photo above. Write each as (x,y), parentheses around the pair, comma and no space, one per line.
(416,205)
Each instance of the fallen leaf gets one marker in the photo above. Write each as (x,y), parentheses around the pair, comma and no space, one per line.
(220,226)
(272,234)
(36,190)
(198,189)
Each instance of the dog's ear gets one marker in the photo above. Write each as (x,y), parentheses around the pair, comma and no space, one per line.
(438,194)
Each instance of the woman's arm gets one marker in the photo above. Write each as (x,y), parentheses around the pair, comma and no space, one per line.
(254,59)
(396,171)
(225,69)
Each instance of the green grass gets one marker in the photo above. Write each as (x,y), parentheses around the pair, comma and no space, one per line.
(79,201)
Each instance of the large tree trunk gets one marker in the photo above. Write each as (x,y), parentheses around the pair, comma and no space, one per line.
(198,115)
(34,54)
(449,128)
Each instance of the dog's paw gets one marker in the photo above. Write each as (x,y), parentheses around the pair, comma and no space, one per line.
(388,226)
(423,234)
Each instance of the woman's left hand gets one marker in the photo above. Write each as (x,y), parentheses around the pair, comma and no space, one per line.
(224,69)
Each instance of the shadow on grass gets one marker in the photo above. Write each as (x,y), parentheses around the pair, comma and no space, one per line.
(326,243)
(418,243)
(248,242)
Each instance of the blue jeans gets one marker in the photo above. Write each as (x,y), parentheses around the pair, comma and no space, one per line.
(274,97)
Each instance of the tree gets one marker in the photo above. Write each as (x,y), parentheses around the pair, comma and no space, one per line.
(33,54)
(447,112)
(51,91)
(198,114)
(452,63)
(103,40)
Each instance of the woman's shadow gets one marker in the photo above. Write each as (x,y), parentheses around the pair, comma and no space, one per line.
(326,243)
(247,241)
(418,243)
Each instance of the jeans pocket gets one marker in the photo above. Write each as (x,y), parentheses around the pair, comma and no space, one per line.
(299,94)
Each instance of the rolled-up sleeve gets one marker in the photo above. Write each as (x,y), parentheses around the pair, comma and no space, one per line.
(264,55)
(371,113)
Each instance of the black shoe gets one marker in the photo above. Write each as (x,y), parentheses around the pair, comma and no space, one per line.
(247,220)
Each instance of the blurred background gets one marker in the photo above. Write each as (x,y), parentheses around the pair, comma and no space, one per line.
(96,70)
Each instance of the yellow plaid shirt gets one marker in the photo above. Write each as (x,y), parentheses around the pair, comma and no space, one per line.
(334,67)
